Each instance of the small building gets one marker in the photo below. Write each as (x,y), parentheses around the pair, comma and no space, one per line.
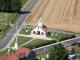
(40,30)
(9,57)
(20,54)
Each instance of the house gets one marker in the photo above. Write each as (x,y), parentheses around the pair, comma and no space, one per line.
(26,54)
(20,54)
(9,57)
(71,52)
(40,30)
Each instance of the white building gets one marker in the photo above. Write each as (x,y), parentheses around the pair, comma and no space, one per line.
(40,30)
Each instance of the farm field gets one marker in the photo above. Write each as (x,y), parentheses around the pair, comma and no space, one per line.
(57,14)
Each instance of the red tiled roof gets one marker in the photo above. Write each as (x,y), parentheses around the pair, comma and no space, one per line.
(23,51)
(9,57)
(68,49)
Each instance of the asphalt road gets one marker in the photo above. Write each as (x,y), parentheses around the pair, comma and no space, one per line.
(17,25)
(47,47)
(65,42)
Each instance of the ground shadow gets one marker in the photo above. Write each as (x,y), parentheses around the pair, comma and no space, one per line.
(24,12)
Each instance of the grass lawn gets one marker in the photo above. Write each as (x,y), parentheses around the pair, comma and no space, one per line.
(38,43)
(41,55)
(77,49)
(60,36)
(4,32)
(3,52)
(23,1)
(25,31)
(21,40)
(6,19)
(12,17)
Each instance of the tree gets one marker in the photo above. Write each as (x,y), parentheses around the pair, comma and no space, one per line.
(10,5)
(15,5)
(58,52)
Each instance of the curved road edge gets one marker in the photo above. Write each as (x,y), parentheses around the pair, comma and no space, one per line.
(9,37)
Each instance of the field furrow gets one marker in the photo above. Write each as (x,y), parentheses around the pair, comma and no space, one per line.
(58,14)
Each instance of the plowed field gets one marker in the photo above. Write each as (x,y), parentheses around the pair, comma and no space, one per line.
(57,14)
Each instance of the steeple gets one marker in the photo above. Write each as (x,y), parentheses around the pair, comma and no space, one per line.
(40,23)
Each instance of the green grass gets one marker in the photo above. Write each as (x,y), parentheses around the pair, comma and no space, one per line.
(3,52)
(77,49)
(23,2)
(12,18)
(4,23)
(23,31)
(21,40)
(42,55)
(4,32)
(60,36)
(38,43)
(7,18)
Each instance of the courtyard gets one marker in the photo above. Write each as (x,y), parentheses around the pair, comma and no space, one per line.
(25,39)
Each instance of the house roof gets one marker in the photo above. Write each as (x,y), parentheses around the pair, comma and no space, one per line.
(44,28)
(23,51)
(9,57)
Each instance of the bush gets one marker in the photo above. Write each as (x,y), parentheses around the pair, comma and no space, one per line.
(10,5)
(58,52)
(78,43)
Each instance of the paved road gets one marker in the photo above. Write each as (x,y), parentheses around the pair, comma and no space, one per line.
(47,47)
(65,42)
(18,24)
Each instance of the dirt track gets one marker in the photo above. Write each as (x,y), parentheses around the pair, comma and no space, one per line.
(57,14)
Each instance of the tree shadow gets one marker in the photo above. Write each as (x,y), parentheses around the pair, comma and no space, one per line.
(24,12)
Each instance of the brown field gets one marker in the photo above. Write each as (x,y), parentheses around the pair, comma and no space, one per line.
(57,14)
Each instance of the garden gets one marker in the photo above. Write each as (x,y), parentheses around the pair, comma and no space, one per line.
(60,36)
(77,47)
(38,43)
(26,31)
(21,40)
